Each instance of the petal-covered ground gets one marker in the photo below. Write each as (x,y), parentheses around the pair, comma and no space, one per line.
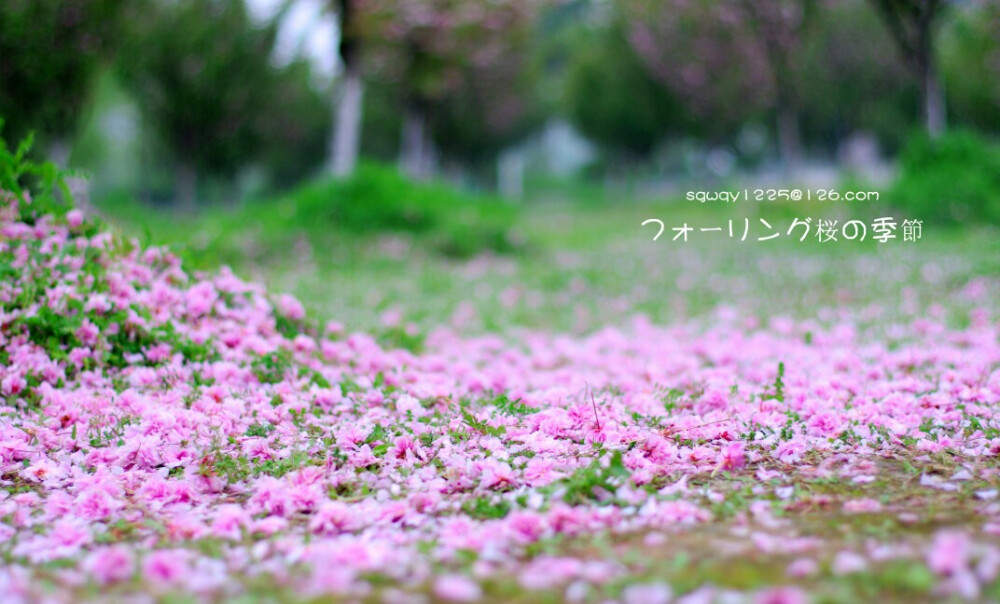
(167,434)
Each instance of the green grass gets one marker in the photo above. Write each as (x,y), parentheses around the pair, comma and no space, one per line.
(588,266)
(585,266)
(592,265)
(335,217)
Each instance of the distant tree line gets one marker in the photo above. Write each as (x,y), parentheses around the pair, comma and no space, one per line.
(452,83)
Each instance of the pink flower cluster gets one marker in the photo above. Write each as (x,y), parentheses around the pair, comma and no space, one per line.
(162,431)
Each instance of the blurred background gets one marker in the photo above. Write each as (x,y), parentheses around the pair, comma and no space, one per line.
(299,140)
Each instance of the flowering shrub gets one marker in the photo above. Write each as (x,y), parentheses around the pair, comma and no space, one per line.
(166,432)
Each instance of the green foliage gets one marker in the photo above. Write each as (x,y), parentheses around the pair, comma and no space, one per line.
(506,406)
(853,80)
(295,126)
(126,342)
(39,189)
(203,77)
(333,214)
(258,429)
(109,434)
(400,337)
(289,328)
(192,351)
(379,434)
(777,391)
(482,426)
(272,367)
(51,51)
(496,105)
(971,65)
(671,398)
(470,77)
(179,61)
(952,179)
(379,199)
(49,193)
(239,468)
(381,121)
(373,200)
(710,57)
(601,478)
(483,508)
(610,97)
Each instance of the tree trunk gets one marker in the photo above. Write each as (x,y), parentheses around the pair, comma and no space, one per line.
(510,174)
(917,49)
(931,92)
(347,123)
(934,103)
(345,140)
(185,187)
(414,149)
(789,139)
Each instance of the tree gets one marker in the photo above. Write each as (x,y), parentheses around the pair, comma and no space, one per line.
(913,25)
(429,50)
(728,59)
(346,136)
(49,55)
(492,103)
(611,98)
(852,80)
(699,52)
(201,72)
(971,65)
(780,26)
(294,128)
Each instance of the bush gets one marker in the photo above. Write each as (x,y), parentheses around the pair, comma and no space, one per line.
(376,199)
(953,179)
(49,193)
(379,199)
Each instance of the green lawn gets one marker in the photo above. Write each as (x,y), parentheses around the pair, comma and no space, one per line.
(582,267)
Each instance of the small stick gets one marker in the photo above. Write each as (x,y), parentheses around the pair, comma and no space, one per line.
(594,403)
(686,428)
